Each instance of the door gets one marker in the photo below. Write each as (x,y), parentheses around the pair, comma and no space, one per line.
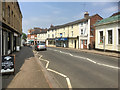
(75,43)
(81,44)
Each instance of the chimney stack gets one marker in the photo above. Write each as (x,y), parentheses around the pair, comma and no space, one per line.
(86,15)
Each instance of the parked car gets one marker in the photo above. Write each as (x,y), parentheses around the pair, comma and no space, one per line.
(40,46)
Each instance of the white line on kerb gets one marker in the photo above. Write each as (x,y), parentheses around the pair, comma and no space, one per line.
(67,79)
(90,60)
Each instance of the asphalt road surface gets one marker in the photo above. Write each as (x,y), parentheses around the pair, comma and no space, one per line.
(84,70)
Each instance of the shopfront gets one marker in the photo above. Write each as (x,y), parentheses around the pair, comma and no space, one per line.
(61,42)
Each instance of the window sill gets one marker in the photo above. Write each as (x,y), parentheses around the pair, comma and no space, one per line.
(100,44)
(109,44)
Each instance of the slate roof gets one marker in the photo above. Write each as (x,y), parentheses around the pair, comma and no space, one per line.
(71,23)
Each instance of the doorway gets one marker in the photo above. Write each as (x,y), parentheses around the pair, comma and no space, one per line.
(81,44)
(75,43)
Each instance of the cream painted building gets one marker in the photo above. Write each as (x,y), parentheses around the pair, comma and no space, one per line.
(108,33)
(42,37)
(51,36)
(75,34)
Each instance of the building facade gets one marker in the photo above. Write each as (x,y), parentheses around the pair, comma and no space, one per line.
(51,33)
(34,35)
(108,33)
(78,34)
(42,36)
(11,26)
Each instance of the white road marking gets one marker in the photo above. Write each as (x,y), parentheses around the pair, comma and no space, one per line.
(67,79)
(57,73)
(108,66)
(88,59)
(69,84)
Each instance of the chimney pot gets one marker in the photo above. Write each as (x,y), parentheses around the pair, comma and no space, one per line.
(86,15)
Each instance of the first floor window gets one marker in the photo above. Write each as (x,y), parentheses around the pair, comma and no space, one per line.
(118,36)
(48,35)
(101,36)
(81,31)
(109,36)
(72,41)
(72,33)
(53,35)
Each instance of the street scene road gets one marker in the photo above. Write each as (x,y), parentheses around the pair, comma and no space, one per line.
(60,45)
(85,70)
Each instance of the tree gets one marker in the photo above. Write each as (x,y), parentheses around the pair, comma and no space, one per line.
(24,36)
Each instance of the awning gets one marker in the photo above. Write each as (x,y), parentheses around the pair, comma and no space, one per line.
(61,39)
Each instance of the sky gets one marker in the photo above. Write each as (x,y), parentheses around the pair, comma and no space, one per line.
(43,14)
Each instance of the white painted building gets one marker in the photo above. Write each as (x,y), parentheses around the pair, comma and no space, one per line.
(108,34)
(42,36)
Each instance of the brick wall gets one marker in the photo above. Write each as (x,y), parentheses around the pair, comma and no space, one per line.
(93,20)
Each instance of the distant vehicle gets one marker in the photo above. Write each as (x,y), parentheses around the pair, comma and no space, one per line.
(28,44)
(40,46)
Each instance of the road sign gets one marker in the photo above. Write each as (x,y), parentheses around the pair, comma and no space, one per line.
(8,64)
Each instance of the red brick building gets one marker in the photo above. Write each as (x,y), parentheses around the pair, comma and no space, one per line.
(32,35)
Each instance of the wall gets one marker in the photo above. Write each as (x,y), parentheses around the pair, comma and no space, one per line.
(104,28)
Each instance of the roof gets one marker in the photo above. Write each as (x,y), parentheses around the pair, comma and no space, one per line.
(35,32)
(43,31)
(108,20)
(72,23)
(38,31)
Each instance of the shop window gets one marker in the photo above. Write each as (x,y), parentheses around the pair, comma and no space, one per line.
(9,45)
(118,36)
(101,36)
(109,36)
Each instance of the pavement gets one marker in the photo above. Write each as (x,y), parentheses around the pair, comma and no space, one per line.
(28,74)
(107,53)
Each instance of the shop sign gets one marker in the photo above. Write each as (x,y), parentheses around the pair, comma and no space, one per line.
(8,62)
(15,34)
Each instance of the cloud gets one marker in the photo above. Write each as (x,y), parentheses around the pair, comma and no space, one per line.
(111,9)
(79,16)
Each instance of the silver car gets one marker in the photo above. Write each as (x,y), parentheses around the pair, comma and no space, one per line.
(40,46)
